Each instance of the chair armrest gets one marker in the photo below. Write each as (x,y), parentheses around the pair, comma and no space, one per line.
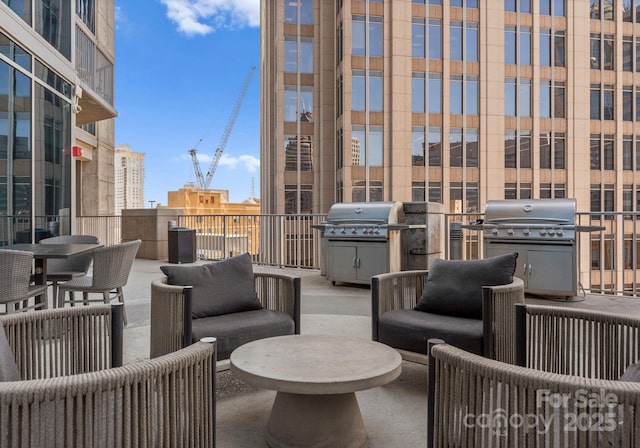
(81,337)
(279,292)
(498,315)
(170,325)
(395,291)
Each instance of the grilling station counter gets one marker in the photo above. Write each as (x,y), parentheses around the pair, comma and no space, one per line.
(543,233)
(362,239)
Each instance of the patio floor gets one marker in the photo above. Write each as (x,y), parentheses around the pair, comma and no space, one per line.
(394,415)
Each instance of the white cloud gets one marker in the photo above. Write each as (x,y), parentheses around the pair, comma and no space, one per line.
(201,17)
(250,163)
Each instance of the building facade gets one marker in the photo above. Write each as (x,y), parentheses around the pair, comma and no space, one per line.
(128,178)
(56,110)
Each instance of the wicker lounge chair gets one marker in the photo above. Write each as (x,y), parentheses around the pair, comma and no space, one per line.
(397,324)
(175,323)
(70,395)
(566,388)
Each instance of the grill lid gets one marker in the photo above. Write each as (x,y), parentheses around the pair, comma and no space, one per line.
(366,213)
(531,212)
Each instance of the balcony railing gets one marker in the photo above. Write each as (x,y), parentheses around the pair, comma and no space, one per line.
(608,260)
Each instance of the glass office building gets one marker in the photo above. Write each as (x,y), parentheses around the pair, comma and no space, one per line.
(455,102)
(56,102)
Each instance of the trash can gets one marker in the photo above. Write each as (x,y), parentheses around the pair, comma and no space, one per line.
(182,245)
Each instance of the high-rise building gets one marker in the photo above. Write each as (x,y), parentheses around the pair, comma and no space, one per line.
(56,110)
(458,102)
(129,178)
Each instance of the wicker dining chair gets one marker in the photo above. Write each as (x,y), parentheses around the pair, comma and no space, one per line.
(15,282)
(65,269)
(111,268)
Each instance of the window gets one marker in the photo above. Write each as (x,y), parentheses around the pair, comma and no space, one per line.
(559,99)
(471,148)
(627,11)
(298,199)
(525,149)
(627,53)
(627,152)
(595,151)
(523,6)
(595,51)
(456,50)
(545,191)
(637,115)
(510,45)
(375,91)
(511,190)
(358,38)
(595,102)
(417,92)
(435,192)
(435,39)
(524,98)
(298,51)
(455,147)
(375,149)
(558,49)
(455,197)
(417,191)
(608,51)
(417,38)
(471,42)
(299,11)
(545,98)
(524,38)
(358,90)
(510,149)
(85,9)
(510,97)
(627,103)
(298,107)
(455,94)
(417,146)
(545,47)
(435,93)
(595,9)
(608,102)
(608,158)
(375,36)
(545,151)
(559,150)
(435,147)
(471,95)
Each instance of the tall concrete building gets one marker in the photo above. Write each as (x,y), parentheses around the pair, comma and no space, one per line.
(456,102)
(56,110)
(129,178)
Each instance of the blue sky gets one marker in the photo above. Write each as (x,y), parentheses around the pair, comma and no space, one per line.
(180,65)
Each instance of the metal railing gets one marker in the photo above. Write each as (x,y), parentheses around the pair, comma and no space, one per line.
(608,259)
(276,240)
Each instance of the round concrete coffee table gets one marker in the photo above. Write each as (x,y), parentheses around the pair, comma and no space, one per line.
(316,377)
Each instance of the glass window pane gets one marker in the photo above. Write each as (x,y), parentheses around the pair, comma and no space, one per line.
(306,55)
(417,40)
(358,100)
(290,54)
(471,50)
(455,147)
(456,41)
(375,38)
(375,92)
(435,147)
(510,98)
(375,146)
(417,93)
(524,98)
(510,45)
(417,147)
(525,46)
(435,94)
(559,103)
(545,48)
(558,8)
(545,99)
(358,146)
(558,49)
(471,97)
(435,39)
(455,96)
(358,38)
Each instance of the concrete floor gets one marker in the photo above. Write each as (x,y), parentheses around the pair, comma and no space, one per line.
(394,415)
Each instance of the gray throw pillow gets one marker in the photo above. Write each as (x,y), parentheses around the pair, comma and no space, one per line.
(631,373)
(454,287)
(222,287)
(8,368)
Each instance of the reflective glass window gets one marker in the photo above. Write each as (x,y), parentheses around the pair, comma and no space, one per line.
(471,95)
(417,92)
(545,98)
(608,48)
(627,103)
(375,91)
(417,146)
(358,90)
(627,53)
(455,94)
(435,147)
(53,22)
(545,152)
(417,38)
(524,37)
(375,149)
(375,36)
(435,39)
(456,41)
(298,11)
(559,100)
(545,47)
(358,38)
(471,40)
(471,148)
(608,102)
(455,147)
(559,49)
(595,102)
(435,93)
(510,97)
(510,45)
(524,98)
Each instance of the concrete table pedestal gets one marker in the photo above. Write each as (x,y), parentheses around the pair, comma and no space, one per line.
(316,377)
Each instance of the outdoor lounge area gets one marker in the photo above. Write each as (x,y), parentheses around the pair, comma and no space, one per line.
(394,414)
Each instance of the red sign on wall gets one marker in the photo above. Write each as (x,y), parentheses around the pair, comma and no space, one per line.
(77,151)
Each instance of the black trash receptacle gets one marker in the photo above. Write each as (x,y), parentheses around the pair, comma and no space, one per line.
(182,245)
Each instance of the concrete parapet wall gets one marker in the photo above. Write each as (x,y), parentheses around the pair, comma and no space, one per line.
(151,226)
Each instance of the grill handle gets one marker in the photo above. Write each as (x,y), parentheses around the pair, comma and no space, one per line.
(528,219)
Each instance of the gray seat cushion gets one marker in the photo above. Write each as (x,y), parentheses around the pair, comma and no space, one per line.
(222,287)
(410,330)
(454,287)
(233,330)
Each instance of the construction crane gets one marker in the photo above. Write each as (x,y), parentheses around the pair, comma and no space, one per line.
(201,181)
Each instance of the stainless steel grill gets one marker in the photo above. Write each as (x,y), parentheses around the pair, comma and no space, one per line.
(543,233)
(361,240)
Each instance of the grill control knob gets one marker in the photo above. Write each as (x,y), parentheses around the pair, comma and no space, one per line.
(526,232)
(494,231)
(543,232)
(552,232)
(560,232)
(377,232)
(332,231)
(510,231)
(354,231)
(344,231)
